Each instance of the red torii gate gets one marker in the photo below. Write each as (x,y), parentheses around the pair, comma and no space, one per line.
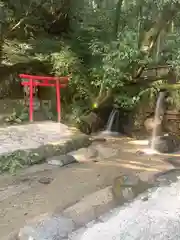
(35,81)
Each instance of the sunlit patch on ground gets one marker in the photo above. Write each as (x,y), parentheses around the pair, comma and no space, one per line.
(139,142)
(109,133)
(150,151)
(143,143)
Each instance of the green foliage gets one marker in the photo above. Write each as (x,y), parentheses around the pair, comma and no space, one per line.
(112,62)
(174,100)
(18,116)
(10,164)
(64,62)
(102,45)
(172,51)
(103,48)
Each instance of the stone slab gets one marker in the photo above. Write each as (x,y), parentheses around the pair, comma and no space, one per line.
(93,208)
(156,218)
(33,143)
(61,160)
(29,136)
(84,154)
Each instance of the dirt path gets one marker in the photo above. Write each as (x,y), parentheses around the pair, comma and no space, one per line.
(24,197)
(70,184)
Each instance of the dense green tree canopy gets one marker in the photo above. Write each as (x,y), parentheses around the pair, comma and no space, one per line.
(105,45)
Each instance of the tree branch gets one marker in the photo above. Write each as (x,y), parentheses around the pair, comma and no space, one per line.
(152,35)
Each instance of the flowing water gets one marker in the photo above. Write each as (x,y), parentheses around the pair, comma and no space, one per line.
(113,121)
(159,112)
(157,118)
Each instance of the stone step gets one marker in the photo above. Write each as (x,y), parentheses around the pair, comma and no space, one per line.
(61,225)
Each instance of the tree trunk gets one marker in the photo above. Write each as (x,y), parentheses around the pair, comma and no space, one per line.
(61,18)
(151,36)
(2,22)
(117,17)
(105,96)
(146,47)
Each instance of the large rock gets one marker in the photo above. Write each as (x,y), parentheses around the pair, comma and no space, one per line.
(84,154)
(150,124)
(105,152)
(61,160)
(166,144)
(90,123)
(127,187)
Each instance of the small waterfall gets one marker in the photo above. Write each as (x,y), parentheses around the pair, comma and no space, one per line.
(159,112)
(112,123)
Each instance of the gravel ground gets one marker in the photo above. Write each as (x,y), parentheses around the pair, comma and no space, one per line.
(157,217)
(29,136)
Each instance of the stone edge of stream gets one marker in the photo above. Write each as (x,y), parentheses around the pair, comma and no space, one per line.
(28,157)
(72,222)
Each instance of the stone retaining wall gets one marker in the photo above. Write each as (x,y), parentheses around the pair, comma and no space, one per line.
(171,122)
(30,144)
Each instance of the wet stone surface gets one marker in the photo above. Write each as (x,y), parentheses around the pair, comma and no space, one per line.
(48,228)
(155,218)
(72,183)
(168,177)
(166,144)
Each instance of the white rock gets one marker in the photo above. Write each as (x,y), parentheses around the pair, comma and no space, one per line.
(61,160)
(105,152)
(55,162)
(84,154)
